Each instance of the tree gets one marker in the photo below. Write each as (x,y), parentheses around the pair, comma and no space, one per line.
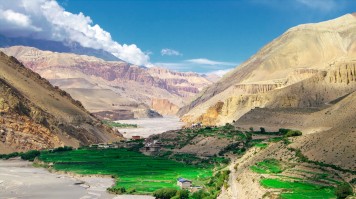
(263,130)
(343,190)
(165,193)
(182,194)
(30,155)
(200,194)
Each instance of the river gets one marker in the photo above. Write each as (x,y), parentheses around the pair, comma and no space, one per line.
(150,126)
(19,179)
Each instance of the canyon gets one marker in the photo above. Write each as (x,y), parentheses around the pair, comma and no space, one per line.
(113,86)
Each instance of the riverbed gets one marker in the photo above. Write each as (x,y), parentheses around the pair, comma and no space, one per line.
(19,179)
(150,126)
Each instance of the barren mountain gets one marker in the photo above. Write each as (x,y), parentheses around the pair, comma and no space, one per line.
(56,46)
(306,67)
(305,80)
(36,115)
(331,151)
(106,86)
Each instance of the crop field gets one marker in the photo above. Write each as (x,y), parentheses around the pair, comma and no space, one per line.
(132,170)
(306,184)
(119,125)
(299,189)
(267,166)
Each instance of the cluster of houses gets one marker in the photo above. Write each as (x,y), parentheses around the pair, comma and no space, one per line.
(151,148)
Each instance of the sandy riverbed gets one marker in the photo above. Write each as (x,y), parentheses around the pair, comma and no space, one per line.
(19,179)
(150,126)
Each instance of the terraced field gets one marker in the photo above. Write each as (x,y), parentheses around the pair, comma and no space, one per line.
(134,171)
(293,182)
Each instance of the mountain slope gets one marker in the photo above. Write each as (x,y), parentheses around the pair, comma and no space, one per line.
(56,46)
(85,76)
(36,115)
(307,66)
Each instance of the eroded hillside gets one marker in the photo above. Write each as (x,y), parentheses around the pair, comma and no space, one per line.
(36,115)
(121,86)
(307,66)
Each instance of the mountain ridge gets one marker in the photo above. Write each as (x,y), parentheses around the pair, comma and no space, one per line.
(36,115)
(129,83)
(293,57)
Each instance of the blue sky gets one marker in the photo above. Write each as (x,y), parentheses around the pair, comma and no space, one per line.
(185,35)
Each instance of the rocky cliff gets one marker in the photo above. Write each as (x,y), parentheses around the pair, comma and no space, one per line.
(121,85)
(307,66)
(36,115)
(164,106)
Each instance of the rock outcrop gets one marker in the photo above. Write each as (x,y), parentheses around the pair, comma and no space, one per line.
(120,85)
(36,115)
(306,67)
(164,107)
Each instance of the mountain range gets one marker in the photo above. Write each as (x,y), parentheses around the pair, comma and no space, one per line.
(113,87)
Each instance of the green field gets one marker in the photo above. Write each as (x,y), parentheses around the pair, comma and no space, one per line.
(132,170)
(261,145)
(299,189)
(118,125)
(267,166)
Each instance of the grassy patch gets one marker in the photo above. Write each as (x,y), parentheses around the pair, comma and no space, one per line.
(132,170)
(299,189)
(261,145)
(268,166)
(119,125)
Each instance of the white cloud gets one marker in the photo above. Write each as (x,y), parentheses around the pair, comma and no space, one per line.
(220,73)
(170,52)
(205,61)
(325,5)
(202,66)
(46,19)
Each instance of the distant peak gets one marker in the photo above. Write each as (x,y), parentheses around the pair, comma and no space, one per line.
(336,24)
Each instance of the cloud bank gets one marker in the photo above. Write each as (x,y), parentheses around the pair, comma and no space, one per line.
(200,65)
(209,62)
(170,52)
(46,19)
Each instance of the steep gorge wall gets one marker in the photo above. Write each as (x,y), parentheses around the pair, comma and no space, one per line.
(314,91)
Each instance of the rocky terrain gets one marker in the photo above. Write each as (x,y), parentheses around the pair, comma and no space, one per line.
(36,115)
(305,80)
(112,85)
(306,67)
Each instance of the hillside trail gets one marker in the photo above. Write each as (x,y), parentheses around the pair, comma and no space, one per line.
(231,192)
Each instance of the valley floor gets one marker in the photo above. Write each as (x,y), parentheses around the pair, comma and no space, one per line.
(19,179)
(150,126)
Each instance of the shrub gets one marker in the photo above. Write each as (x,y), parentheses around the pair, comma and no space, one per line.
(117,190)
(263,130)
(10,155)
(343,190)
(30,155)
(289,132)
(21,108)
(61,149)
(181,194)
(199,194)
(131,190)
(165,193)
(353,181)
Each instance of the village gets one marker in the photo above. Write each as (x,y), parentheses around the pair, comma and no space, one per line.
(148,148)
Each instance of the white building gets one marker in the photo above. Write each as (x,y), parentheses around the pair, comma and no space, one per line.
(184,183)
